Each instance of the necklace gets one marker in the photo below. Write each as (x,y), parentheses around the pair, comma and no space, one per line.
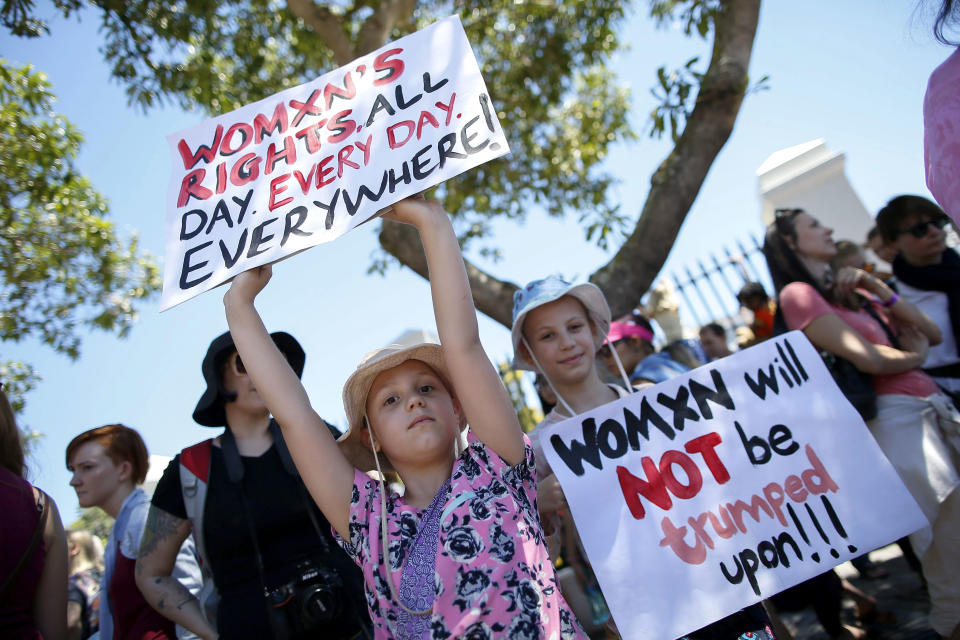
(416,581)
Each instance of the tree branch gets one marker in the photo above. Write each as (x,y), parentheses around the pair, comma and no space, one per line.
(674,186)
(491,296)
(676,183)
(328,26)
(377,27)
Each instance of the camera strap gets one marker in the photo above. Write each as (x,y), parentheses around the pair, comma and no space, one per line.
(235,472)
(234,464)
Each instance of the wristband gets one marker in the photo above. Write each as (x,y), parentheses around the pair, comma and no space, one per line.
(892,301)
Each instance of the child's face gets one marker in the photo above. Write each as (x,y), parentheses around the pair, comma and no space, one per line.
(413,416)
(561,338)
(855,259)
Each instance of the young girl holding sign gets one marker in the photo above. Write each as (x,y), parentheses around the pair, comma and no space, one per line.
(461,553)
(557,329)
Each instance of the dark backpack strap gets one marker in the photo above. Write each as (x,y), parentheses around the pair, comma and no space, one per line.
(44,507)
(282,448)
(891,336)
(231,456)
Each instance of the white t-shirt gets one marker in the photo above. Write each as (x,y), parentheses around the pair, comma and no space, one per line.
(935,305)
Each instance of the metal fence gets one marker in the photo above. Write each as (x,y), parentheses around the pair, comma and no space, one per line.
(708,287)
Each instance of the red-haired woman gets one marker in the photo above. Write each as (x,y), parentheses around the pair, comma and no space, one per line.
(107,464)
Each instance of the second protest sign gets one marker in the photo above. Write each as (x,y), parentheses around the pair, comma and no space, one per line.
(711,491)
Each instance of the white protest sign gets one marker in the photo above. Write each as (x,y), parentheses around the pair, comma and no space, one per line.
(711,491)
(310,163)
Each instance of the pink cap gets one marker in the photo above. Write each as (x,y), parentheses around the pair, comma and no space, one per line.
(621,330)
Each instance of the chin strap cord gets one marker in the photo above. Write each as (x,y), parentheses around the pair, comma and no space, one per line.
(566,405)
(623,374)
(536,363)
(384,540)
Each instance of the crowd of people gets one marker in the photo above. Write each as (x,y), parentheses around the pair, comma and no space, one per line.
(411,525)
(247,536)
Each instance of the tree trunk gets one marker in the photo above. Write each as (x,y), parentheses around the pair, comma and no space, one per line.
(678,179)
(491,296)
(673,189)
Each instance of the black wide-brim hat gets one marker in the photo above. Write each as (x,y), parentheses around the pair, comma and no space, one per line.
(209,411)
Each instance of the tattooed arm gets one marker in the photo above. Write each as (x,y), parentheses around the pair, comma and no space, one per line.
(162,536)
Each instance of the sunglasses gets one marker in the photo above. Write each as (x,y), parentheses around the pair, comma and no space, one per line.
(920,229)
(786,213)
(238,364)
(242,370)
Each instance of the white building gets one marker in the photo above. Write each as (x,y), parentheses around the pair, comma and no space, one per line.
(811,177)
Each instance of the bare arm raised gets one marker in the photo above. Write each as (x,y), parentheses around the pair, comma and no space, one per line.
(480,390)
(327,474)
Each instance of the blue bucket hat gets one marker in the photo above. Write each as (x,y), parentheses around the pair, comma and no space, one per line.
(541,292)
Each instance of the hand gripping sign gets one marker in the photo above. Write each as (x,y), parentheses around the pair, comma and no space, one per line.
(310,163)
(713,490)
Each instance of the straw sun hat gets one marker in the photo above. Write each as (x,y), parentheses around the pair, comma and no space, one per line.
(353,442)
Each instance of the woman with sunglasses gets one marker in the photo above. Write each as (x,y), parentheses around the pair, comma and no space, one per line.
(928,275)
(847,314)
(271,567)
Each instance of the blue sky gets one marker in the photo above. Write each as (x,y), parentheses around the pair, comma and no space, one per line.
(851,72)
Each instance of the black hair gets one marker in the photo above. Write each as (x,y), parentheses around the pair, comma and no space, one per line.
(714,328)
(873,233)
(900,208)
(641,320)
(752,290)
(782,260)
(539,382)
(947,16)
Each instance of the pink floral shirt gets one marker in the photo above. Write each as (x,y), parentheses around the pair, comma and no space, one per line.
(493,577)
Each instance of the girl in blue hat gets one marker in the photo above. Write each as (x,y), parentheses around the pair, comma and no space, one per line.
(558,327)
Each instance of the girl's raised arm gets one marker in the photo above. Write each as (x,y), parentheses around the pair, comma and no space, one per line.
(478,385)
(327,474)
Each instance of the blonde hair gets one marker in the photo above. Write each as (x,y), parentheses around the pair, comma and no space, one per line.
(89,551)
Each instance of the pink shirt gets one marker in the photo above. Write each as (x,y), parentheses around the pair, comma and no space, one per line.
(493,577)
(801,305)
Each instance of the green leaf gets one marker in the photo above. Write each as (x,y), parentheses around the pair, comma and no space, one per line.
(63,269)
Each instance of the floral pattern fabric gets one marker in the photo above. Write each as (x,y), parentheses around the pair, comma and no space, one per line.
(83,587)
(493,577)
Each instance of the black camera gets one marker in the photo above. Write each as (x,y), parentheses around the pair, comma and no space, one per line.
(309,602)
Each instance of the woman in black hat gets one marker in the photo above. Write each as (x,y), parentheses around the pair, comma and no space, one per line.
(271,567)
